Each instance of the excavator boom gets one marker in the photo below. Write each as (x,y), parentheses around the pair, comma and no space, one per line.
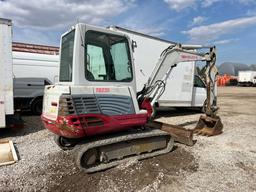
(170,58)
(210,124)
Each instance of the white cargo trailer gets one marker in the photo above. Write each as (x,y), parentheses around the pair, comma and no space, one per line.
(247,78)
(6,79)
(184,88)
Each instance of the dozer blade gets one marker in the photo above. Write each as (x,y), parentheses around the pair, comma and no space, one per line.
(113,150)
(179,133)
(208,126)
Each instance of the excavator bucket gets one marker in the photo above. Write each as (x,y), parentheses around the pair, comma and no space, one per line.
(208,126)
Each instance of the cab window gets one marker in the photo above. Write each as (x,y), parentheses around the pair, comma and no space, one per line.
(107,57)
(66,57)
(198,82)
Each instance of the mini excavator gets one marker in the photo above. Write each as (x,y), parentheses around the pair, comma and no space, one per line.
(96,109)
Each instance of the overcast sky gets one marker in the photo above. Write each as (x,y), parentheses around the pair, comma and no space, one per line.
(229,24)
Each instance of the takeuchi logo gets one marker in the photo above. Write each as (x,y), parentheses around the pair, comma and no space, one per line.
(102,90)
(190,57)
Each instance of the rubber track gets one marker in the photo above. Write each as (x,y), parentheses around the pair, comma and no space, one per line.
(120,138)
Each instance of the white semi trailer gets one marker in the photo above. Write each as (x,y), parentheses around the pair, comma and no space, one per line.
(184,88)
(6,79)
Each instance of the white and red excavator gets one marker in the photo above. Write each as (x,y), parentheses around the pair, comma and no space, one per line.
(95,106)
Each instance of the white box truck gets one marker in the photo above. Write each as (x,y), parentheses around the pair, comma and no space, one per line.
(6,78)
(247,78)
(23,75)
(184,88)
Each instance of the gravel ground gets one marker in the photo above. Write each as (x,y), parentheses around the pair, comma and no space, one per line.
(222,163)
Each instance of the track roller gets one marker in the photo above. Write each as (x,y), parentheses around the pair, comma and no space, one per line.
(65,143)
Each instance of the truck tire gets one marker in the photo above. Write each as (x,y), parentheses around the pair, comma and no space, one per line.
(36,106)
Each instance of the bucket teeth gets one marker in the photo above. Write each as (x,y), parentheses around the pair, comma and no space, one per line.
(208,132)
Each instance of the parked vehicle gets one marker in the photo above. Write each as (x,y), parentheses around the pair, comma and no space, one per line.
(247,78)
(184,87)
(28,93)
(32,71)
(7,117)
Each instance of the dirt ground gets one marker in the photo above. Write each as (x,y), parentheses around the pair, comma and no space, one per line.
(222,163)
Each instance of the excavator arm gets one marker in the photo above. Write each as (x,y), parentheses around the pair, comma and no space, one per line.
(210,124)
(170,58)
